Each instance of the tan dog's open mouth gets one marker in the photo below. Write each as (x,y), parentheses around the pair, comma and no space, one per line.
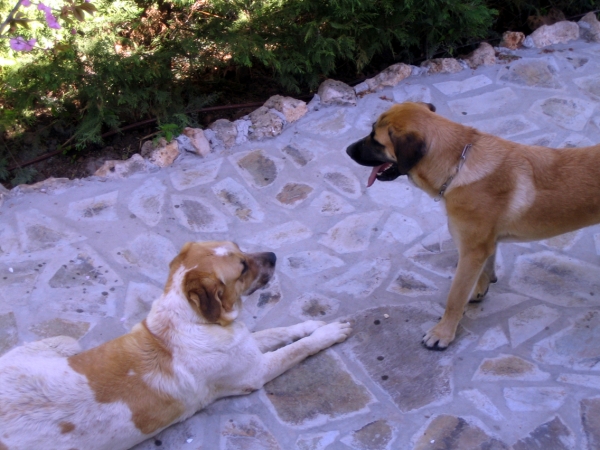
(384,172)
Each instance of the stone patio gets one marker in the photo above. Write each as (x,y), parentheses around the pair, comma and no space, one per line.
(85,258)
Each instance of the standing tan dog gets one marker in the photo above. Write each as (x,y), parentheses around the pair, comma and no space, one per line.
(188,352)
(494,190)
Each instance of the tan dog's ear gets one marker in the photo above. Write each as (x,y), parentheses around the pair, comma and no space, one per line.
(204,292)
(409,149)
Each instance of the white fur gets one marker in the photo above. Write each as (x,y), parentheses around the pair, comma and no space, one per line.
(39,389)
(221,251)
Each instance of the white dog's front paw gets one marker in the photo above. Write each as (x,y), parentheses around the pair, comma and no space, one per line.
(310,326)
(333,333)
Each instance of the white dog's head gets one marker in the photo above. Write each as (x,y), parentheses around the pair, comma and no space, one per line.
(216,275)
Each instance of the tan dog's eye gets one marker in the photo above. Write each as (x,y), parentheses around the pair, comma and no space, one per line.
(245,268)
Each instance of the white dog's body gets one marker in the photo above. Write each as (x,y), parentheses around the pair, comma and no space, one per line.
(168,367)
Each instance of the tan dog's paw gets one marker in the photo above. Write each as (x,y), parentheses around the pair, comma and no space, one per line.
(333,333)
(483,285)
(439,337)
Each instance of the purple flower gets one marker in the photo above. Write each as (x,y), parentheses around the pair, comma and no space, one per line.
(44,8)
(51,21)
(21,45)
(25,3)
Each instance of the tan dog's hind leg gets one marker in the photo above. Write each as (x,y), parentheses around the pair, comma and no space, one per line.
(470,265)
(488,276)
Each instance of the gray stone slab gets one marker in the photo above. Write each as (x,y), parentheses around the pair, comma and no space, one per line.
(452,88)
(590,418)
(566,112)
(553,434)
(574,346)
(198,215)
(509,367)
(342,180)
(530,322)
(147,201)
(484,103)
(100,207)
(257,167)
(534,398)
(557,279)
(412,284)
(314,306)
(447,432)
(196,174)
(507,126)
(246,432)
(537,73)
(8,332)
(377,435)
(316,441)
(361,279)
(150,254)
(300,399)
(308,262)
(330,204)
(352,234)
(483,403)
(281,235)
(391,352)
(236,199)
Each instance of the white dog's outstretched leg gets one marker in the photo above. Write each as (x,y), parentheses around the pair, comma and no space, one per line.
(273,338)
(279,361)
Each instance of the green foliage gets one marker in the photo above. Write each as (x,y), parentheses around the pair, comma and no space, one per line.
(304,40)
(134,60)
(172,130)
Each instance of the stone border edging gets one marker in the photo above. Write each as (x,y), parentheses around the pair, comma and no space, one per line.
(277,112)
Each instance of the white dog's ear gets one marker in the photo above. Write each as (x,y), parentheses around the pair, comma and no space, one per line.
(204,292)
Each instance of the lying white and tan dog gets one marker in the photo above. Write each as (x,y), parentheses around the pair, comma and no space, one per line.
(188,352)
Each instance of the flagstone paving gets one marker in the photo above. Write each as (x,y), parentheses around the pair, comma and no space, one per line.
(85,258)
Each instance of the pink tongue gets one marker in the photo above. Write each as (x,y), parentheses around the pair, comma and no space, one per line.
(374,173)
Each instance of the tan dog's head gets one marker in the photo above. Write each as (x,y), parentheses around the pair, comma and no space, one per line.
(217,274)
(395,144)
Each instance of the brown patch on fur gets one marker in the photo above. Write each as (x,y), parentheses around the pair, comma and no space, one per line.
(66,427)
(116,371)
(203,291)
(2,446)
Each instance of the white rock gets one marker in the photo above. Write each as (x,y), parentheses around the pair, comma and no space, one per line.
(559,33)
(483,55)
(265,123)
(389,77)
(163,154)
(333,92)
(198,143)
(442,65)
(292,109)
(225,131)
(122,169)
(589,27)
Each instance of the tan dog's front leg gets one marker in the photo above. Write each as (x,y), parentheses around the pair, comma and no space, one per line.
(470,265)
